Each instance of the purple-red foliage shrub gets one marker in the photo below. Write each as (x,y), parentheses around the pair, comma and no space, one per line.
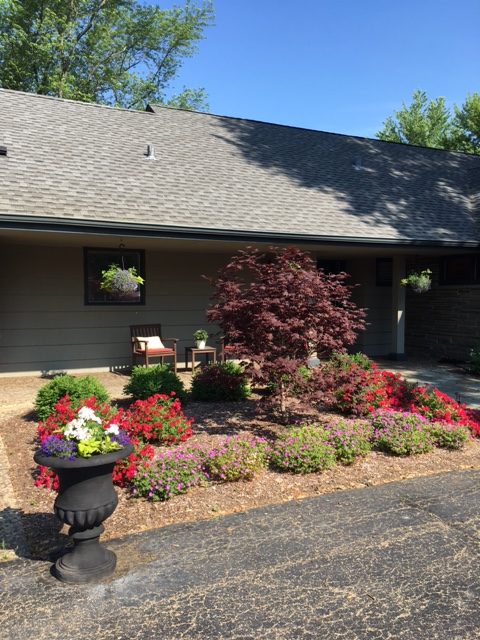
(277,309)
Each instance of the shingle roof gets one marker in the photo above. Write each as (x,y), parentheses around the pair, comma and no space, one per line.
(84,162)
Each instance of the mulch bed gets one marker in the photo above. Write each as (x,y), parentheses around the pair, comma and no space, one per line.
(45,533)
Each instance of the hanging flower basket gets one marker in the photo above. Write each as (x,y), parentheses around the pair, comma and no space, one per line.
(119,281)
(419,282)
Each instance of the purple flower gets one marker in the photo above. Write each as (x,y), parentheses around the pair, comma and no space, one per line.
(121,438)
(55,446)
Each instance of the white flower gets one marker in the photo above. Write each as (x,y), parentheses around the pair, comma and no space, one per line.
(72,427)
(76,430)
(89,414)
(113,428)
(83,434)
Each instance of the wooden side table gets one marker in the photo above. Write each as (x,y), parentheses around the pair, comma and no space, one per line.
(191,352)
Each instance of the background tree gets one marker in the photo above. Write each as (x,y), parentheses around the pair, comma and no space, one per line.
(116,52)
(429,123)
(276,309)
(424,122)
(466,125)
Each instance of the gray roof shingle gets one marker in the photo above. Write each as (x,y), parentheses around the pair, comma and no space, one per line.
(85,162)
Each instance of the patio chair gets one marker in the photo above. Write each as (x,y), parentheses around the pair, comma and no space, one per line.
(226,352)
(148,343)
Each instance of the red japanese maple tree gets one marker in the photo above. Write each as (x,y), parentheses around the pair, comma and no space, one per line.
(276,309)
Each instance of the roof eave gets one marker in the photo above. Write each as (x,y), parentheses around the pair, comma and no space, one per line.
(108,227)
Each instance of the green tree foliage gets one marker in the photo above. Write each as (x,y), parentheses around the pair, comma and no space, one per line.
(466,125)
(116,52)
(430,123)
(425,123)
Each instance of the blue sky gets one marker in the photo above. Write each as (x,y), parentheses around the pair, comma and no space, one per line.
(334,65)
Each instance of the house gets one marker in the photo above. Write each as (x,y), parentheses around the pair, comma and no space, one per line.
(175,193)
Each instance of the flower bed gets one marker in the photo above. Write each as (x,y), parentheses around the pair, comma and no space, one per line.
(397,417)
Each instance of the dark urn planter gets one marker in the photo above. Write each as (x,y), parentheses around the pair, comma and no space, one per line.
(86,497)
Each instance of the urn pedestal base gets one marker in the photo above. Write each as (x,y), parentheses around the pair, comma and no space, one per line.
(86,498)
(88,561)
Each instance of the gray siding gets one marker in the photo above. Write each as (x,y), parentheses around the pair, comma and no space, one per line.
(45,326)
(376,340)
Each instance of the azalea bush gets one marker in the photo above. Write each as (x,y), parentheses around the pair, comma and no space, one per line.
(147,381)
(219,382)
(77,389)
(169,474)
(159,419)
(354,385)
(304,449)
(401,433)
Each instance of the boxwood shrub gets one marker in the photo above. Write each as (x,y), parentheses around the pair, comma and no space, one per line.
(76,388)
(148,381)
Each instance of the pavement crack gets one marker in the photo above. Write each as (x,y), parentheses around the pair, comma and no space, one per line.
(470,538)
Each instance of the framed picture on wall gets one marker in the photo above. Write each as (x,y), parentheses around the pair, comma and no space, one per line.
(125,287)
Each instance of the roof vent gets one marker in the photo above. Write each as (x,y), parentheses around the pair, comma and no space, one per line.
(150,155)
(3,150)
(357,164)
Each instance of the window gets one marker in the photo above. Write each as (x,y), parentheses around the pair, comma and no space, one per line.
(462,269)
(332,266)
(98,260)
(384,272)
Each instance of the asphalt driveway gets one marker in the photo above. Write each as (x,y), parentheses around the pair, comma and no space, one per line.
(396,562)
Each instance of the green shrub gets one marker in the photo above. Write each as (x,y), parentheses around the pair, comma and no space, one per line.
(169,474)
(148,381)
(220,381)
(349,439)
(401,433)
(346,360)
(76,388)
(304,449)
(449,435)
(236,458)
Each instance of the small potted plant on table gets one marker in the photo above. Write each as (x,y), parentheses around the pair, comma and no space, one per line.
(83,453)
(200,337)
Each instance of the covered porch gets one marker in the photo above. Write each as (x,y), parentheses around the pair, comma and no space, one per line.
(46,324)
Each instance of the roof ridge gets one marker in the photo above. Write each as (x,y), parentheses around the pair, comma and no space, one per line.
(30,94)
(150,108)
(309,129)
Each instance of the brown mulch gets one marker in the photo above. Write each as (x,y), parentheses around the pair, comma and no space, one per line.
(212,420)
